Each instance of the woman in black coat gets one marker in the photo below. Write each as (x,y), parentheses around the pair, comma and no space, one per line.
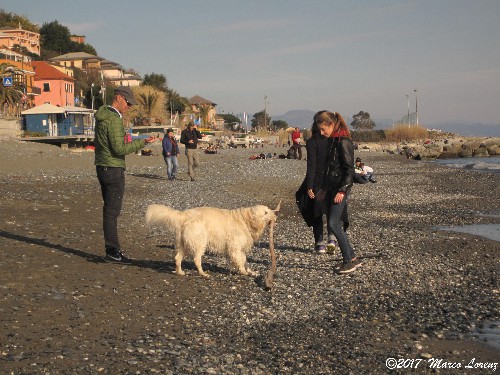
(317,152)
(337,181)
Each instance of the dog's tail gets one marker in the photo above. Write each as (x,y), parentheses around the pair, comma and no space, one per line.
(157,214)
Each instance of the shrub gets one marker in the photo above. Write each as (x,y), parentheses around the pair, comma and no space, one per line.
(368,135)
(406,133)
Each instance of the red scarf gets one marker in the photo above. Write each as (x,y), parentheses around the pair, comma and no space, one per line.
(339,133)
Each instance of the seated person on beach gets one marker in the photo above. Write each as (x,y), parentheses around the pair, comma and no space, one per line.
(363,173)
(211,150)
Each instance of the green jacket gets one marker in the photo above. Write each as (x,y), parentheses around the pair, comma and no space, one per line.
(109,142)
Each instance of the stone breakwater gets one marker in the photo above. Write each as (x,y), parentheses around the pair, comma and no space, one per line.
(421,293)
(442,148)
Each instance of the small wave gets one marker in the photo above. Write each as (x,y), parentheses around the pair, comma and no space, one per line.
(491,164)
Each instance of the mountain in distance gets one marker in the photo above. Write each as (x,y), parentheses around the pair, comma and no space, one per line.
(303,119)
(299,117)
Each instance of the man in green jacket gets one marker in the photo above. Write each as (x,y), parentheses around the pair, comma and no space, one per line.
(111,145)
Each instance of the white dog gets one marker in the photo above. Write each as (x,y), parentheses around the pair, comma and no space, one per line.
(230,232)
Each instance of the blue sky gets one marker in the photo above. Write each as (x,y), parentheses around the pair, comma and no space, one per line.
(344,56)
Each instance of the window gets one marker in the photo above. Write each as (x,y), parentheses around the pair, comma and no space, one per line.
(46,87)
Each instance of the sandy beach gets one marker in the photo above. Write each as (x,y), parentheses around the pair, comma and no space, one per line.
(422,293)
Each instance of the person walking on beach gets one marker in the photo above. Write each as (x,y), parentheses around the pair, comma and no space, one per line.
(170,151)
(190,137)
(337,181)
(297,147)
(111,145)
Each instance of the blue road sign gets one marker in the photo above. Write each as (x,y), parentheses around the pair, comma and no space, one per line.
(7,81)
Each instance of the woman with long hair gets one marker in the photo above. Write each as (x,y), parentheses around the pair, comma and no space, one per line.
(337,181)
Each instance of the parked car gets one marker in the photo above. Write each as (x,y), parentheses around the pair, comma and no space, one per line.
(206,138)
(241,140)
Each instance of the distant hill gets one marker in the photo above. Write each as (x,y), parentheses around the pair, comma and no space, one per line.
(474,129)
(303,119)
(300,117)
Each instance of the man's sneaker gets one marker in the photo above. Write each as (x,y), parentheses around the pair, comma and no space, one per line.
(332,245)
(347,268)
(118,257)
(321,249)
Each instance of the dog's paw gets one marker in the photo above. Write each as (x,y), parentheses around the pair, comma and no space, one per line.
(249,272)
(180,273)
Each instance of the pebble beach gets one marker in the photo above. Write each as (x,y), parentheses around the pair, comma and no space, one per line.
(422,294)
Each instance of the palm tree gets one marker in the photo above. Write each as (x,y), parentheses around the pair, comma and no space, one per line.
(148,102)
(204,110)
(9,95)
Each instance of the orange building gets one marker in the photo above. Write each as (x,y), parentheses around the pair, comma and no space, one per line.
(56,88)
(23,76)
(12,36)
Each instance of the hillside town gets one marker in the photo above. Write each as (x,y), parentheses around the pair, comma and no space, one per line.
(44,99)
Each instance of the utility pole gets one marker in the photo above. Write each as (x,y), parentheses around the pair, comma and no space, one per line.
(408,118)
(416,105)
(265,112)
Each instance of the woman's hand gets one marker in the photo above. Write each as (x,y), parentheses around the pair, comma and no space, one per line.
(338,197)
(310,193)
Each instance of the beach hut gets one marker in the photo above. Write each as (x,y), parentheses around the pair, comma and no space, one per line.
(56,121)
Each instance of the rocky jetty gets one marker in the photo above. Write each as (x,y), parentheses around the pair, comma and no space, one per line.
(440,148)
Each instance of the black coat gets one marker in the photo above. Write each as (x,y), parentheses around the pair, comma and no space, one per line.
(340,165)
(190,135)
(318,148)
(317,153)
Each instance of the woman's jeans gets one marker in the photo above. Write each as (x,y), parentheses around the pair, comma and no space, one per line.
(336,226)
(112,181)
(171,162)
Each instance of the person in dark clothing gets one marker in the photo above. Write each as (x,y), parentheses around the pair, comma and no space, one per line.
(338,180)
(170,151)
(190,137)
(317,152)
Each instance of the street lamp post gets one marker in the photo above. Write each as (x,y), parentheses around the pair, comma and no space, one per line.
(93,114)
(416,105)
(408,118)
(265,114)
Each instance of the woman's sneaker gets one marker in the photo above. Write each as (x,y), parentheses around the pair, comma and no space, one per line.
(332,246)
(347,268)
(357,262)
(321,249)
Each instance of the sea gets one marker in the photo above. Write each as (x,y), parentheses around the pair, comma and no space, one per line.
(480,164)
(490,332)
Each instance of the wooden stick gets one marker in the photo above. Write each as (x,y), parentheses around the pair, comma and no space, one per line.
(268,281)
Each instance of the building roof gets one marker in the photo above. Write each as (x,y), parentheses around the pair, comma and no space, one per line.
(44,109)
(197,100)
(76,56)
(73,109)
(44,71)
